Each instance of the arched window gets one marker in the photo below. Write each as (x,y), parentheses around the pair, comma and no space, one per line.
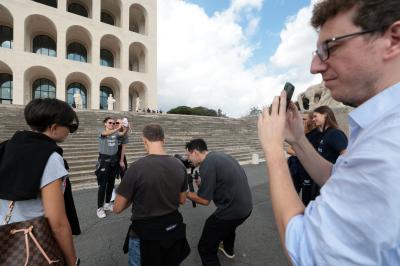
(107,18)
(43,44)
(77,52)
(106,58)
(78,9)
(43,88)
(104,93)
(6,37)
(6,84)
(52,3)
(76,88)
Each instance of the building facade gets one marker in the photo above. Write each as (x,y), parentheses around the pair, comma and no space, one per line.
(58,48)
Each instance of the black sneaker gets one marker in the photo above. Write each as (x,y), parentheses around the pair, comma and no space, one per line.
(229,255)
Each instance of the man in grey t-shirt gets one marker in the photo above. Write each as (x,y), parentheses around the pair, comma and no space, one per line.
(155,185)
(223,181)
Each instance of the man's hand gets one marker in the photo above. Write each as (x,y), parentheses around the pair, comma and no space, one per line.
(196,198)
(294,125)
(271,126)
(122,165)
(197,181)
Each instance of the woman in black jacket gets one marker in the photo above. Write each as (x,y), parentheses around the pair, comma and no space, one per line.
(32,170)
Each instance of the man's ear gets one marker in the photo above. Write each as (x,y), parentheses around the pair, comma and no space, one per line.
(53,127)
(393,34)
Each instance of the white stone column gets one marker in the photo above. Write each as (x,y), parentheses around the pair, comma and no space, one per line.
(96,50)
(95,94)
(60,86)
(62,5)
(96,9)
(19,35)
(18,85)
(61,42)
(124,97)
(125,16)
(124,56)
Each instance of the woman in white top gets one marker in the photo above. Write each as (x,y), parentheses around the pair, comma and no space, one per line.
(32,171)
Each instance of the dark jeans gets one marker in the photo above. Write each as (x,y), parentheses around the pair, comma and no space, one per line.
(105,179)
(216,230)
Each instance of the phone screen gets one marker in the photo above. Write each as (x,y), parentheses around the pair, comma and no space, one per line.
(289,89)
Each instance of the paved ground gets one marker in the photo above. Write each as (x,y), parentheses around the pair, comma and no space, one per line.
(257,241)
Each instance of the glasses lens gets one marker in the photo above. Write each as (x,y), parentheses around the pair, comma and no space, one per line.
(72,128)
(323,51)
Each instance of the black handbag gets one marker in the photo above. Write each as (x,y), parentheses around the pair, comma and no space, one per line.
(28,242)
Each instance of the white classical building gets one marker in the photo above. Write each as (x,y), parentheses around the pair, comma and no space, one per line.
(56,48)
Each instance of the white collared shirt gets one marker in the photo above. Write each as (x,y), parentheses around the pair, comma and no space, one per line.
(356,219)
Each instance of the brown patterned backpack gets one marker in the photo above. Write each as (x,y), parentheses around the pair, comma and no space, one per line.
(29,242)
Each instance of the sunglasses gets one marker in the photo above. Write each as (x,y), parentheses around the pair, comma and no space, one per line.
(111,123)
(72,127)
(117,123)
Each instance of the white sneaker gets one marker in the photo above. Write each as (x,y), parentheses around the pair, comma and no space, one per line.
(108,206)
(101,213)
(228,255)
(113,195)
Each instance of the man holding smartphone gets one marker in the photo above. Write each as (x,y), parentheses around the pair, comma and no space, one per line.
(355,220)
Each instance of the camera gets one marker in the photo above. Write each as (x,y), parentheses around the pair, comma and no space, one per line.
(188,164)
(190,176)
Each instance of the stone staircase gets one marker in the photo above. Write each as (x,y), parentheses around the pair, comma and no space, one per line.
(237,137)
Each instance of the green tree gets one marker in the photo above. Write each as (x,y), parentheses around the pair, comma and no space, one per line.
(254,111)
(182,110)
(199,110)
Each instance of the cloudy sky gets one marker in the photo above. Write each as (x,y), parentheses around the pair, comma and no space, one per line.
(232,54)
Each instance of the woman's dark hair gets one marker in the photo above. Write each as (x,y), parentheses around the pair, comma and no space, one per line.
(107,118)
(330,119)
(42,113)
(370,14)
(196,144)
(153,132)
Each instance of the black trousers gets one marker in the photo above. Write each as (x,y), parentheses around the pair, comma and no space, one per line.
(106,173)
(216,230)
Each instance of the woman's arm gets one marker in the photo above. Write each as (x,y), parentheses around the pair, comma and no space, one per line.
(54,210)
(121,159)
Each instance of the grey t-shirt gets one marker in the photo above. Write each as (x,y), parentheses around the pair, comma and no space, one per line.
(108,145)
(123,140)
(29,209)
(224,181)
(153,184)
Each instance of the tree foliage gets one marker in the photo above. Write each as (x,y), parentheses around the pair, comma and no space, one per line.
(199,110)
(254,111)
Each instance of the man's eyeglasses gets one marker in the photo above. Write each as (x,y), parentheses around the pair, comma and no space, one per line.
(323,49)
(72,127)
(111,123)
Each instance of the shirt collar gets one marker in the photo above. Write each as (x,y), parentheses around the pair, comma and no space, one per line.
(376,107)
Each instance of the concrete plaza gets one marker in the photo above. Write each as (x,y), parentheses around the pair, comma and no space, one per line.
(257,240)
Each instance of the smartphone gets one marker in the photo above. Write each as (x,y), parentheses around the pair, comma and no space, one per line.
(289,89)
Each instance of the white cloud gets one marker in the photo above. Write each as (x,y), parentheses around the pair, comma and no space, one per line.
(202,60)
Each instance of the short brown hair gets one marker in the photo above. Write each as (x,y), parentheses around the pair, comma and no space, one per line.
(370,15)
(153,132)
